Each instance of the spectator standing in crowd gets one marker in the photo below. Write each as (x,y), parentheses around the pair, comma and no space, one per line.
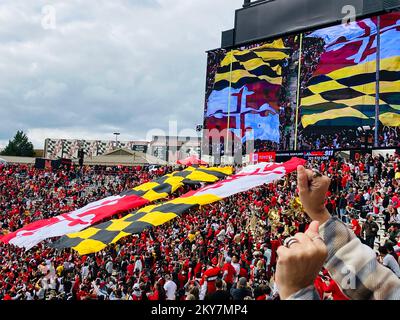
(370,230)
(170,288)
(241,291)
(389,261)
(220,294)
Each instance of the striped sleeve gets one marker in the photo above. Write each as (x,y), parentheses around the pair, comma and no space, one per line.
(309,293)
(354,266)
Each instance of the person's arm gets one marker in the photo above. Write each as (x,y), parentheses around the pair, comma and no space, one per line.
(354,266)
(309,293)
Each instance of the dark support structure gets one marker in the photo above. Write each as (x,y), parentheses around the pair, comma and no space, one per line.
(246,3)
(378,67)
(266,19)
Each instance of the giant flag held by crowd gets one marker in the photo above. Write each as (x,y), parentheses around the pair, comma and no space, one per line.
(98,237)
(246,91)
(32,234)
(342,90)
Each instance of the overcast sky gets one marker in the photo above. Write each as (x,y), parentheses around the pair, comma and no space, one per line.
(99,66)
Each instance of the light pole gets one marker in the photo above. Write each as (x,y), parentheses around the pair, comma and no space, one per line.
(116,139)
(199,129)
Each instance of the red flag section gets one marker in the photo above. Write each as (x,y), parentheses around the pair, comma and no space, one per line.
(77,220)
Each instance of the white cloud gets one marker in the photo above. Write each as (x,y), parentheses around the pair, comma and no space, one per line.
(129,65)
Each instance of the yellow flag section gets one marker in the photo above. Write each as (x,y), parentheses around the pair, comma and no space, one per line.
(168,184)
(98,237)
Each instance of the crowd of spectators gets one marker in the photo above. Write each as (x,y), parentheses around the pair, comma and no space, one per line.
(348,138)
(226,250)
(353,138)
(28,194)
(389,137)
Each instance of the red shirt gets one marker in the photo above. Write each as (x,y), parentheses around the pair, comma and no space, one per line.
(319,286)
(197,268)
(7,297)
(356,227)
(275,244)
(337,294)
(396,202)
(243,273)
(210,276)
(154,296)
(130,268)
(231,272)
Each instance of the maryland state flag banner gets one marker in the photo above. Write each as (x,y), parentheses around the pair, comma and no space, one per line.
(342,89)
(97,238)
(32,234)
(246,91)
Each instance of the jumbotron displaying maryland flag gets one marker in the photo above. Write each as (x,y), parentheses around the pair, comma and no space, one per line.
(342,90)
(246,91)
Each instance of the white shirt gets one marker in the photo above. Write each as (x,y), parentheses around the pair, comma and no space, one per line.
(45,283)
(85,272)
(28,296)
(221,235)
(40,293)
(52,283)
(109,266)
(391,263)
(237,267)
(267,256)
(215,226)
(170,289)
(138,265)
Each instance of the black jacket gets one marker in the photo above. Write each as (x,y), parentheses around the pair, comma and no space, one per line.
(240,294)
(219,295)
(370,228)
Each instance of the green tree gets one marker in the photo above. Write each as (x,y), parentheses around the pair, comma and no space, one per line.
(19,146)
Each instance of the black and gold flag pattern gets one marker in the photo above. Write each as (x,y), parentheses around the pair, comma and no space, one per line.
(166,185)
(263,63)
(98,237)
(350,93)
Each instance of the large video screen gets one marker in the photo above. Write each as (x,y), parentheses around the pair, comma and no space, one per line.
(341,68)
(252,92)
(247,94)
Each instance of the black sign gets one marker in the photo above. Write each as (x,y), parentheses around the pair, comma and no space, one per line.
(282,156)
(274,18)
(140,148)
(41,163)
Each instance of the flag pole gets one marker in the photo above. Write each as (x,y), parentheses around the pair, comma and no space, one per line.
(229,104)
(378,67)
(298,91)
